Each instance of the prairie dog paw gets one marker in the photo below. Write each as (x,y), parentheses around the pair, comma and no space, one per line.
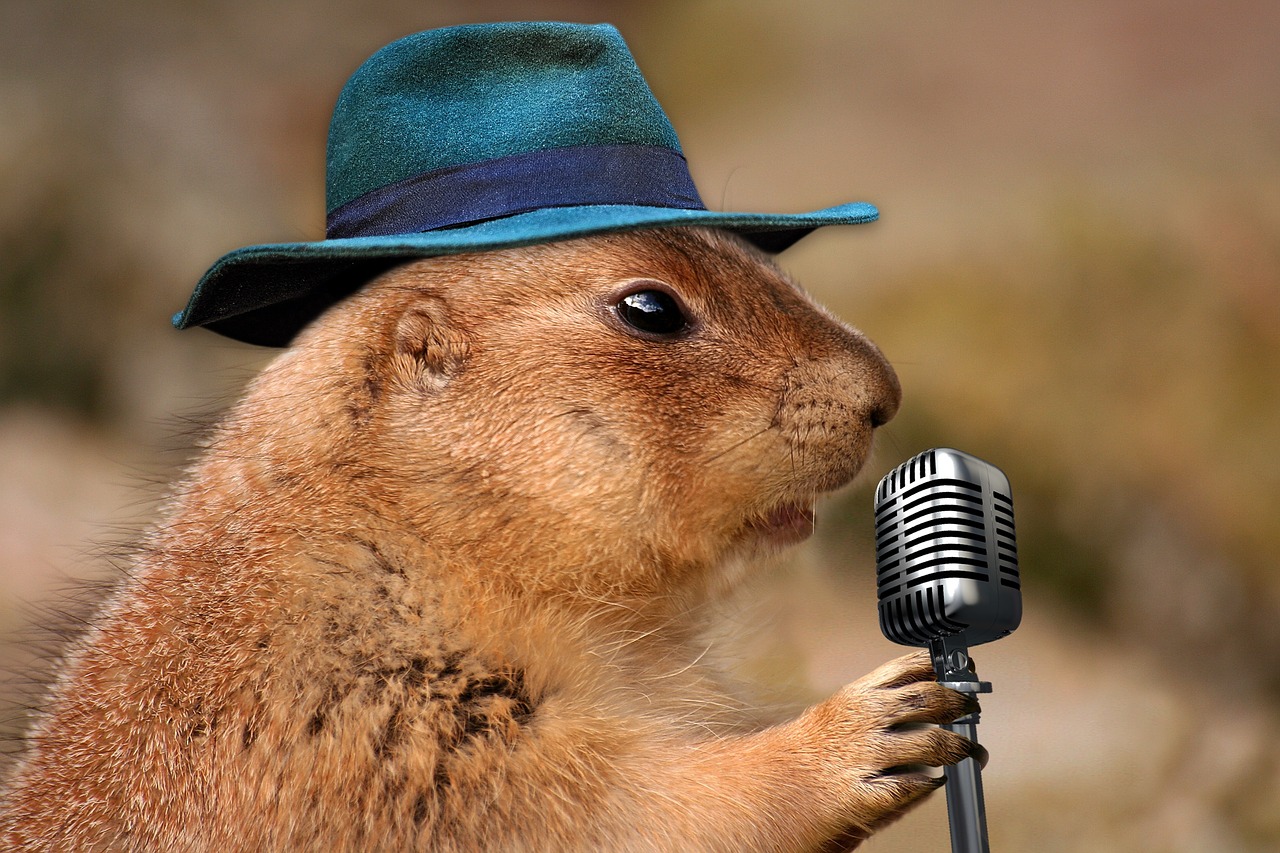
(879,737)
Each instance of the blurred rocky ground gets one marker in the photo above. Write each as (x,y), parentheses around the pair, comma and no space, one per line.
(1077,276)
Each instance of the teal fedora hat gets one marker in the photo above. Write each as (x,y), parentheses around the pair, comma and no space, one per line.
(474,138)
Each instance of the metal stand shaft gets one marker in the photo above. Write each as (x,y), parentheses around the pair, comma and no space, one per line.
(966,808)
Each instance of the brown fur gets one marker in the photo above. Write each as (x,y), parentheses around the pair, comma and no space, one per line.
(435,583)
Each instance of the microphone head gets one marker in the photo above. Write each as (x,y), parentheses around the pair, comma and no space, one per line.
(946,557)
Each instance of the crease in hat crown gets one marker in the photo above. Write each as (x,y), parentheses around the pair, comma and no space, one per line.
(476,138)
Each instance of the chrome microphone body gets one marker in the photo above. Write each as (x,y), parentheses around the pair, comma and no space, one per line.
(947,579)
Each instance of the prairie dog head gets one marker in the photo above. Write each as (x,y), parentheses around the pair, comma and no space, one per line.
(617,414)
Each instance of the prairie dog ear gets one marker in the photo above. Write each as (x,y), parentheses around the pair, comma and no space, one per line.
(427,350)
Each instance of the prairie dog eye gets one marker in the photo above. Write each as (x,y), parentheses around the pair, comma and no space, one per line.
(653,311)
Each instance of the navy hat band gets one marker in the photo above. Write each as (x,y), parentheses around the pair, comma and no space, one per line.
(646,175)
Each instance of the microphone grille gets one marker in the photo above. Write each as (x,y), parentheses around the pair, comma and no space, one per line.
(946,552)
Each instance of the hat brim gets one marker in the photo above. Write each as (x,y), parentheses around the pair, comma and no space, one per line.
(265,294)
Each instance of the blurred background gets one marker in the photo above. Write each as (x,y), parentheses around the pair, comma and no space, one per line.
(1077,275)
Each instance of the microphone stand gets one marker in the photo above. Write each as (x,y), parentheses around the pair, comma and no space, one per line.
(966,809)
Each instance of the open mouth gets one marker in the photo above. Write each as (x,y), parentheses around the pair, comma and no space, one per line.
(785,524)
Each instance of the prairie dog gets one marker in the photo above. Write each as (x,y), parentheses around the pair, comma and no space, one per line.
(434,583)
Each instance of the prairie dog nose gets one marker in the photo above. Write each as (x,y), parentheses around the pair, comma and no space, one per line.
(870,387)
(845,395)
(833,360)
(885,396)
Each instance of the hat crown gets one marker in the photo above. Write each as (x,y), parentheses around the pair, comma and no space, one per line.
(468,94)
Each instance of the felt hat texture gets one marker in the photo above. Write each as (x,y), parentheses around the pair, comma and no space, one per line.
(474,138)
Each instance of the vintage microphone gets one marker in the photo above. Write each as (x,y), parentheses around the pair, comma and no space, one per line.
(947,579)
